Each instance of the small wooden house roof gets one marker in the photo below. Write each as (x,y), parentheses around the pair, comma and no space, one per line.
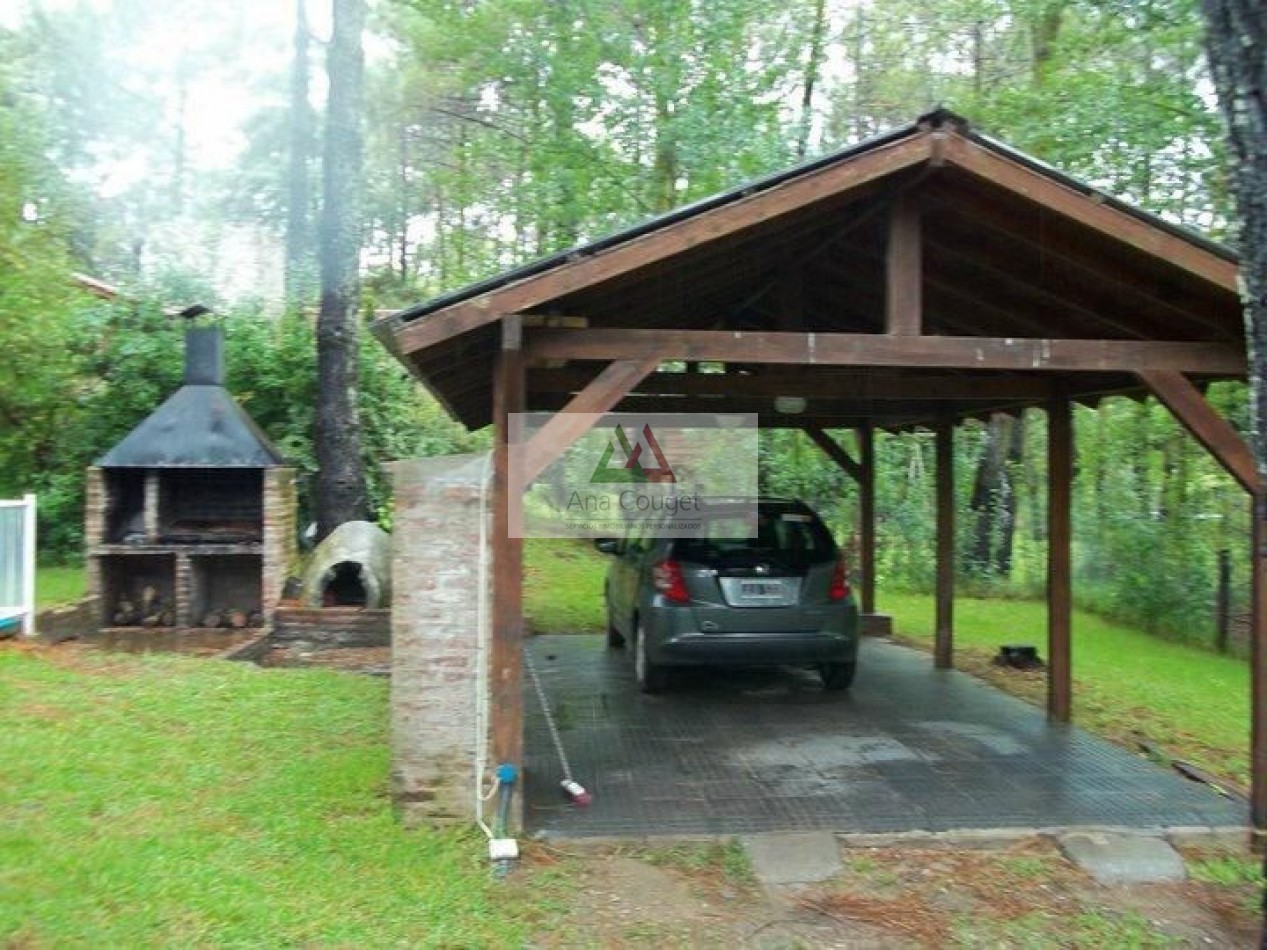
(1005,248)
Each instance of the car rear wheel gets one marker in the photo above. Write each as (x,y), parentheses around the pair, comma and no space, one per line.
(837,676)
(649,676)
(615,639)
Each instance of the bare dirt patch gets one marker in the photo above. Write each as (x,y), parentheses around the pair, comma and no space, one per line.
(1027,895)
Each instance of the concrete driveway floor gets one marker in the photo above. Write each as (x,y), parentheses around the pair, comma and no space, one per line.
(907,748)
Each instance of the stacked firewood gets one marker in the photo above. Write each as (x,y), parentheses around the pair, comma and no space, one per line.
(232,618)
(151,610)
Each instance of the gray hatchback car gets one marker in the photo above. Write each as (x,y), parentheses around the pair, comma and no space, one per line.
(780,598)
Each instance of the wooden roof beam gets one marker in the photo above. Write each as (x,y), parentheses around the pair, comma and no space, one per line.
(865,349)
(1220,439)
(938,386)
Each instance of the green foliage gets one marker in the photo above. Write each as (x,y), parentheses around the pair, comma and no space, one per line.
(163,801)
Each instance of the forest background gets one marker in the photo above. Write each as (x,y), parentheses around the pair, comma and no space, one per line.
(173,152)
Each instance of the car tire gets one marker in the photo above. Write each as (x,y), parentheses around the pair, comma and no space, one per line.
(837,676)
(615,639)
(649,676)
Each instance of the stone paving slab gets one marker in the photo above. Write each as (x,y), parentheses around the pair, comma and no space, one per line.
(908,748)
(793,857)
(1123,858)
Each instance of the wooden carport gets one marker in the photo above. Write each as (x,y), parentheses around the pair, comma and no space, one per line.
(917,279)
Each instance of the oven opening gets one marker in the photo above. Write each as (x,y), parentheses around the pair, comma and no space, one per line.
(344,587)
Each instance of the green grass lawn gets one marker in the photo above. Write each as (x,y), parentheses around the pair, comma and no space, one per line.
(171,801)
(1191,702)
(59,584)
(563,586)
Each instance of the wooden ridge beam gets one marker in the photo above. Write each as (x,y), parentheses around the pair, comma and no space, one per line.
(1220,439)
(1097,215)
(584,270)
(865,349)
(835,451)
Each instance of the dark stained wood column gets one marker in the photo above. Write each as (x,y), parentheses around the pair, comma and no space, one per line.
(866,514)
(943,631)
(904,270)
(506,653)
(1258,665)
(1059,568)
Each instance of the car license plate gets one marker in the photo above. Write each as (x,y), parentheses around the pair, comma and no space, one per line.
(761,589)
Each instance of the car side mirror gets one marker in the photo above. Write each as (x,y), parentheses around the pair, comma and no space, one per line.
(607,545)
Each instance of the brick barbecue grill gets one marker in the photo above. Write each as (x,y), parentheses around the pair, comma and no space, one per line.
(190,519)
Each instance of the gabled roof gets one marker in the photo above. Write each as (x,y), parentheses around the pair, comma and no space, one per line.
(1013,248)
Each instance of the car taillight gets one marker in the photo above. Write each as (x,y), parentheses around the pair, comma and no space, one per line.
(839,588)
(668,580)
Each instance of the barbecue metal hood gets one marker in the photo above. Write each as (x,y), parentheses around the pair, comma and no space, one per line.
(200,425)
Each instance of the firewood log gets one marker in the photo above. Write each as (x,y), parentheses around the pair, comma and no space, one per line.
(237,619)
(212,618)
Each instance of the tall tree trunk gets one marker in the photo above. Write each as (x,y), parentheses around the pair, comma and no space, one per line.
(994,496)
(340,494)
(813,66)
(1236,41)
(298,274)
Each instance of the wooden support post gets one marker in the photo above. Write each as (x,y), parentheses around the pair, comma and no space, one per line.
(944,636)
(506,653)
(1258,666)
(866,514)
(1059,539)
(1223,601)
(904,270)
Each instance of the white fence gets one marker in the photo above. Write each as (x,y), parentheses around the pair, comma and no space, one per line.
(17,565)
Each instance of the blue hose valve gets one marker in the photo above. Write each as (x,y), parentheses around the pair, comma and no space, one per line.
(507,773)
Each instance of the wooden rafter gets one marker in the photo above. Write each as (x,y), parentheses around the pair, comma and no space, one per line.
(657,245)
(1063,255)
(1117,224)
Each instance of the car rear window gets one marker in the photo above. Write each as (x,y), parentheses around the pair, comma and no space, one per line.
(792,537)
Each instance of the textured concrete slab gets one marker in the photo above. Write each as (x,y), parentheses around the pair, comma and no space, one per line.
(907,749)
(794,857)
(1123,859)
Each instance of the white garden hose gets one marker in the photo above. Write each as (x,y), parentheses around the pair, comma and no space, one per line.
(481,658)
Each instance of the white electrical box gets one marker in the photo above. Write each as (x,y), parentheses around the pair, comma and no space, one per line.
(503,849)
